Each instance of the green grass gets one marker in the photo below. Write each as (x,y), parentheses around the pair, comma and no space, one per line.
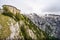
(5,30)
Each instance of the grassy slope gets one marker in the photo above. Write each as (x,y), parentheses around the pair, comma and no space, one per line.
(5,29)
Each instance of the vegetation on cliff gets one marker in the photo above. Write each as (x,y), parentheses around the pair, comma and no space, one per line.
(27,29)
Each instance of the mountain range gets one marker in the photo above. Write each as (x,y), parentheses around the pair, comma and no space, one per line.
(50,23)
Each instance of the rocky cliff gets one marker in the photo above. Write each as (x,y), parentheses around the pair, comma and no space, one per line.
(16,26)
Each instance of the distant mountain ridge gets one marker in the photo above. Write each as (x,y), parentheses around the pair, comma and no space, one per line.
(49,23)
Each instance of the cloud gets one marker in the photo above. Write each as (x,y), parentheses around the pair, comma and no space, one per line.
(52,7)
(37,6)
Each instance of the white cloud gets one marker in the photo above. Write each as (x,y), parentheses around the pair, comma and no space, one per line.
(37,6)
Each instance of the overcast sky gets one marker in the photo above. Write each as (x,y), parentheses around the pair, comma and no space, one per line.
(35,6)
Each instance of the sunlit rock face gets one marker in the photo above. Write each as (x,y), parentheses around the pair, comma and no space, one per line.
(16,26)
(10,8)
(50,23)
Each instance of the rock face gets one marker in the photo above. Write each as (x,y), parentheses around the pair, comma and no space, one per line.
(50,23)
(12,9)
(16,26)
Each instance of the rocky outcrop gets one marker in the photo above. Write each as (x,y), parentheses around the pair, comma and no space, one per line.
(16,26)
(10,8)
